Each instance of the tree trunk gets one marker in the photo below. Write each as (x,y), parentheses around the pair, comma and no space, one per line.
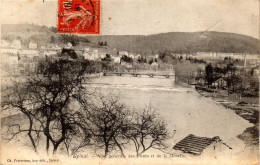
(47,145)
(121,149)
(30,135)
(106,150)
(46,132)
(55,147)
(33,143)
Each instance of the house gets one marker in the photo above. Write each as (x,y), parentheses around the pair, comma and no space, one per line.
(9,51)
(10,63)
(27,64)
(154,66)
(95,54)
(87,49)
(220,83)
(131,55)
(57,47)
(5,43)
(121,53)
(88,55)
(116,59)
(17,44)
(176,55)
(68,46)
(200,80)
(29,52)
(49,52)
(149,57)
(128,65)
(32,45)
(156,56)
(207,55)
(196,145)
(102,55)
(137,57)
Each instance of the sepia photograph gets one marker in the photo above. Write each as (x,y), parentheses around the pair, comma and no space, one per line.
(131,82)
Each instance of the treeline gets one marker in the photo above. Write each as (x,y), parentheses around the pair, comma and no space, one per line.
(234,79)
(101,43)
(64,38)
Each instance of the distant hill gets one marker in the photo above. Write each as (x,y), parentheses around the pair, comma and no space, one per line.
(181,42)
(178,42)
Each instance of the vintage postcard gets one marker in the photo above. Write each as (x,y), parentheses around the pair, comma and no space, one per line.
(131,82)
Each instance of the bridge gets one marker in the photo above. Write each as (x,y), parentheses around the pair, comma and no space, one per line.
(136,74)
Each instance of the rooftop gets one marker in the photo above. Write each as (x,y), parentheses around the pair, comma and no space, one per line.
(194,144)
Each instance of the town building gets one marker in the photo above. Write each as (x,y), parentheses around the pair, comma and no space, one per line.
(9,51)
(49,52)
(17,44)
(156,56)
(5,43)
(88,55)
(131,55)
(95,54)
(122,53)
(68,45)
(28,52)
(102,55)
(116,59)
(196,145)
(137,57)
(10,63)
(32,45)
(154,66)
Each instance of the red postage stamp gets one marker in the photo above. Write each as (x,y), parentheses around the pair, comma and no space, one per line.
(79,16)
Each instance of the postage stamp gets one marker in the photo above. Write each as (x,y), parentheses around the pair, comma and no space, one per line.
(79,16)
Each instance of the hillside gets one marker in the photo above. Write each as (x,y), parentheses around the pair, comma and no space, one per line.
(179,42)
(184,42)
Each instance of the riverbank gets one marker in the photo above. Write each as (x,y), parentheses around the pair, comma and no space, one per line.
(245,107)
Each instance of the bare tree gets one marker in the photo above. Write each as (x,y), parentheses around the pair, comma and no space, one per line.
(147,131)
(46,100)
(186,71)
(109,119)
(58,85)
(15,97)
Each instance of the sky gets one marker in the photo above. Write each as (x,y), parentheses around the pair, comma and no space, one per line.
(132,17)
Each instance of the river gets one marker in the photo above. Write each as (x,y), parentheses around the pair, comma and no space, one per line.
(183,109)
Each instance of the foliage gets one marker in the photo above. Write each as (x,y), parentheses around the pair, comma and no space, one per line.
(141,59)
(126,59)
(209,74)
(107,58)
(101,43)
(185,71)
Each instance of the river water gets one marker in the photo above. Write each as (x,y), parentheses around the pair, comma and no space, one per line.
(183,109)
